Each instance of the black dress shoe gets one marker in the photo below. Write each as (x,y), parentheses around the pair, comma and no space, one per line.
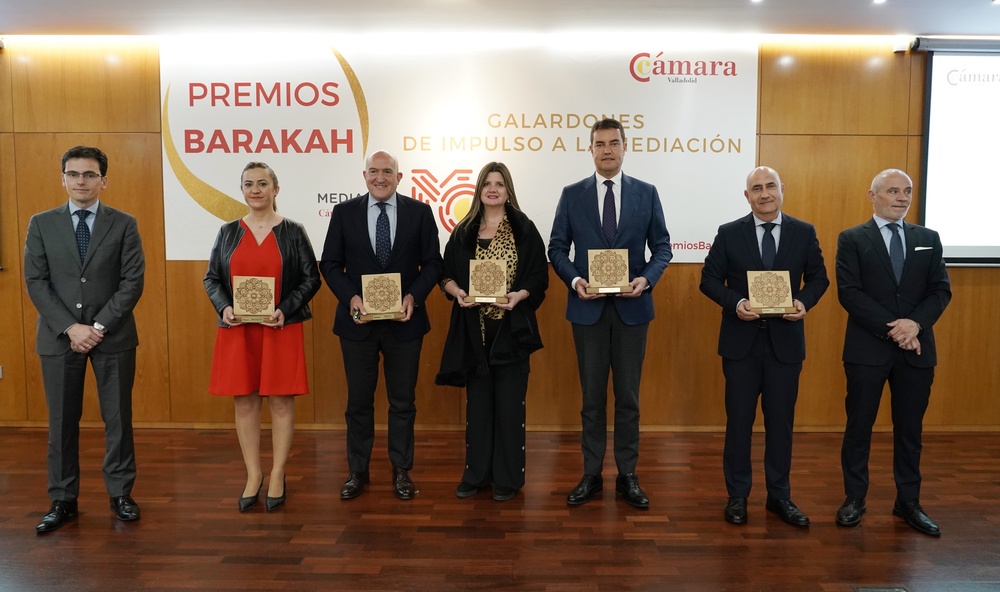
(402,486)
(628,487)
(466,489)
(250,501)
(60,513)
(850,511)
(354,485)
(125,508)
(915,517)
(585,490)
(736,510)
(787,511)
(502,494)
(273,503)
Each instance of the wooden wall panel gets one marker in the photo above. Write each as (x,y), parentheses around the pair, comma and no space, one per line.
(85,84)
(6,112)
(13,355)
(134,159)
(827,88)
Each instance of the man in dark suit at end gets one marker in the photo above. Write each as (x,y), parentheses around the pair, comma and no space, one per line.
(892,281)
(381,232)
(609,210)
(762,357)
(84,267)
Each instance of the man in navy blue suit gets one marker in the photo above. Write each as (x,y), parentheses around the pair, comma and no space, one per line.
(892,282)
(762,357)
(381,232)
(609,210)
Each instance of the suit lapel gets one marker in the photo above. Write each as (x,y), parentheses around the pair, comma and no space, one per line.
(785,242)
(878,243)
(401,226)
(103,222)
(588,203)
(363,226)
(748,229)
(629,207)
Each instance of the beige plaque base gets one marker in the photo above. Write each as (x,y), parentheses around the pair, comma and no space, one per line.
(770,293)
(487,281)
(381,294)
(486,299)
(250,293)
(608,269)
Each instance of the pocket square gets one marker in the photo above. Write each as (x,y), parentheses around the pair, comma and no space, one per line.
(922,248)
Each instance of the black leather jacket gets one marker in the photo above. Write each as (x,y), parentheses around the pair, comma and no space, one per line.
(299,273)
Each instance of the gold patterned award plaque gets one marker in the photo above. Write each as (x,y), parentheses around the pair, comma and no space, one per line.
(382,295)
(487,281)
(253,298)
(608,271)
(770,293)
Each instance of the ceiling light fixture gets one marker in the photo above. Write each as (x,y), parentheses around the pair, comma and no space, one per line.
(878,1)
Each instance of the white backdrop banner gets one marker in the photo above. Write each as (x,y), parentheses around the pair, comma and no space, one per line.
(312,109)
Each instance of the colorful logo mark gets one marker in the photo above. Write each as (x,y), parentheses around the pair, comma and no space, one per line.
(451,197)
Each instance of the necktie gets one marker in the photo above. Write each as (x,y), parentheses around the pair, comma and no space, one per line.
(82,233)
(767,248)
(382,242)
(608,222)
(896,251)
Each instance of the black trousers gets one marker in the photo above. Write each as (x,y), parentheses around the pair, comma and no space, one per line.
(610,347)
(495,426)
(401,360)
(64,376)
(759,375)
(910,389)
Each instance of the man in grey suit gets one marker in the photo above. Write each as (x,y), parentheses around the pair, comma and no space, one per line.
(892,281)
(84,266)
(609,332)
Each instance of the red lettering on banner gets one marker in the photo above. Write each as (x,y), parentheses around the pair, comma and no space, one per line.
(283,141)
(258,94)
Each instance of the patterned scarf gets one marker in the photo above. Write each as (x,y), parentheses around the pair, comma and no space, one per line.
(501,247)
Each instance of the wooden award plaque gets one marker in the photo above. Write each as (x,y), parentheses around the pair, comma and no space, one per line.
(253,298)
(770,293)
(382,295)
(608,271)
(487,281)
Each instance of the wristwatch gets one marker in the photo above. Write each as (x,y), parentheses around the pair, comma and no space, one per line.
(101,328)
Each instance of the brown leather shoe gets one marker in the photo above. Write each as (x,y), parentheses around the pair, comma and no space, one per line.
(354,485)
(402,485)
(60,513)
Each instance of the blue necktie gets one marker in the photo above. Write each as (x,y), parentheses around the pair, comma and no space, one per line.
(896,251)
(383,244)
(82,233)
(767,247)
(608,223)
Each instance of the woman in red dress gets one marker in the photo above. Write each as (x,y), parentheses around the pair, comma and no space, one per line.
(256,360)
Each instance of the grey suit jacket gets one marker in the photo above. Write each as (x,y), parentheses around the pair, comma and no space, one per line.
(105,287)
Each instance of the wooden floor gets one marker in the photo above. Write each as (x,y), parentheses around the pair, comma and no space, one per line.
(191,536)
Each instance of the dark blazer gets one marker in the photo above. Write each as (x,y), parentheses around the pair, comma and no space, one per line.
(348,254)
(464,351)
(867,289)
(104,288)
(724,280)
(299,275)
(640,222)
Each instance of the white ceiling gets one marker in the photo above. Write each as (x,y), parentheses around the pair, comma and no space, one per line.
(151,17)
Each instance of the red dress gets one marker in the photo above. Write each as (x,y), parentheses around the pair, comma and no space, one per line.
(253,358)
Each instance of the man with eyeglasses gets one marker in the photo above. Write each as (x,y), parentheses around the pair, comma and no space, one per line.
(84,267)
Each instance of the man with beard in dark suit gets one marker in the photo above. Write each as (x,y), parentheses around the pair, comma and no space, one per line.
(762,357)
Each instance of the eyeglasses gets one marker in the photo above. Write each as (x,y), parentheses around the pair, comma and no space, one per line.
(88,176)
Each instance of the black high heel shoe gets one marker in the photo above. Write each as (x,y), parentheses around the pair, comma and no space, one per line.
(248,502)
(273,503)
